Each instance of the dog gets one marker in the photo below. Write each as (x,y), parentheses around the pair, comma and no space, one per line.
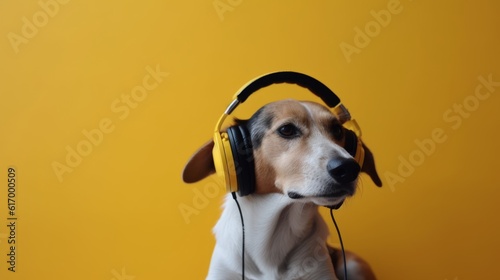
(300,164)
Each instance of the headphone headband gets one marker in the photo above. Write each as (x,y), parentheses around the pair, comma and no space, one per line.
(316,87)
(303,80)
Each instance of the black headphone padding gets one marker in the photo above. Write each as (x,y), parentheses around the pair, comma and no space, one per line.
(351,142)
(241,147)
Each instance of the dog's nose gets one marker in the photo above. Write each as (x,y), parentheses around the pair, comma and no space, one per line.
(343,170)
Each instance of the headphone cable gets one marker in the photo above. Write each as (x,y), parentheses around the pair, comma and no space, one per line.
(341,243)
(243,239)
(243,236)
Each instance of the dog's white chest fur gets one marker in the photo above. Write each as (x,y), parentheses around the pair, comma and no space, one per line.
(283,240)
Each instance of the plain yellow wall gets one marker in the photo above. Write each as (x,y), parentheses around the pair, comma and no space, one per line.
(146,81)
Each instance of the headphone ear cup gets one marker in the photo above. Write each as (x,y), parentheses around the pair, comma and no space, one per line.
(223,161)
(241,147)
(354,146)
(351,142)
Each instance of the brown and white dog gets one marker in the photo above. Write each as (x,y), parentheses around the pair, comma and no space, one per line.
(294,143)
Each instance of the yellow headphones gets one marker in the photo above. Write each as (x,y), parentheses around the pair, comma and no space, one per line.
(232,152)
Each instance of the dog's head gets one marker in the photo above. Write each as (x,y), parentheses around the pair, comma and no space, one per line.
(297,151)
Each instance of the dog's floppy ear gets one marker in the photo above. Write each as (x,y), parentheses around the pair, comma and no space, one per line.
(369,167)
(200,165)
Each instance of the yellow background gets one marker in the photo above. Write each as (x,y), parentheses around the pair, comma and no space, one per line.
(117,214)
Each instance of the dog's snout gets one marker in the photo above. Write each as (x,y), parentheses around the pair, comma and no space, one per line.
(343,170)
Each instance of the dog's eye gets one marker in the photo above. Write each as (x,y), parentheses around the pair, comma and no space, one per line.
(337,131)
(288,131)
